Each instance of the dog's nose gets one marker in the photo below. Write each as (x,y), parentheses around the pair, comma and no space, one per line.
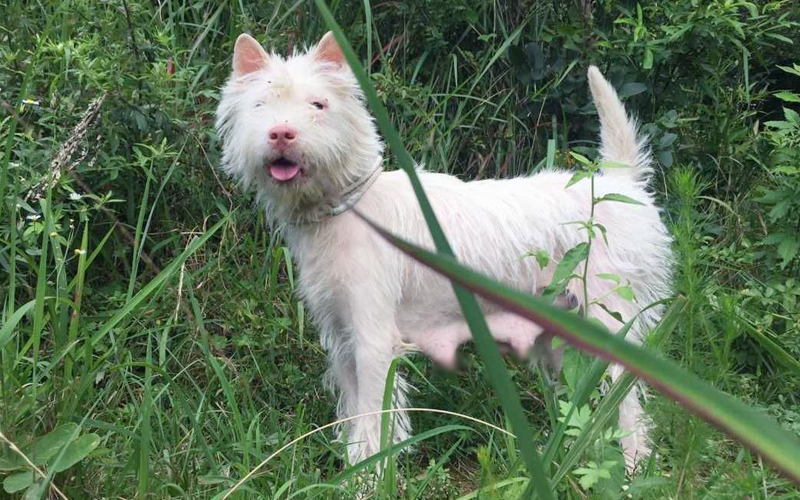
(282,135)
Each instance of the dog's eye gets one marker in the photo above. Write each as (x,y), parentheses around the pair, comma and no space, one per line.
(318,105)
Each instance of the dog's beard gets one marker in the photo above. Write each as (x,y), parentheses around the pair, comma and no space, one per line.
(317,192)
(296,197)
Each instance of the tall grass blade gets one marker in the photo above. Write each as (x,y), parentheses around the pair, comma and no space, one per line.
(781,355)
(75,317)
(755,430)
(498,375)
(11,323)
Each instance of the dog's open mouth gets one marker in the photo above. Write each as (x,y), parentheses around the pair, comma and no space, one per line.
(284,170)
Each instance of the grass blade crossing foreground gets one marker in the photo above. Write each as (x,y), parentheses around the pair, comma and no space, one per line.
(758,432)
(498,375)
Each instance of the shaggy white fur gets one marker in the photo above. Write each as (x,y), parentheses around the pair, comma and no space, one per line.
(297,130)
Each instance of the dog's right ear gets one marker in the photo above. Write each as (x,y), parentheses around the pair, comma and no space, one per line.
(248,56)
(328,50)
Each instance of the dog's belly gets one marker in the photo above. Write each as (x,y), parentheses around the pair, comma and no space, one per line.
(440,341)
(494,233)
(430,318)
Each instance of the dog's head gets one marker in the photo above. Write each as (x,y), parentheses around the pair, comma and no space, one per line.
(295,128)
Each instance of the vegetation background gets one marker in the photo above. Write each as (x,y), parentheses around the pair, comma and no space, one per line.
(150,342)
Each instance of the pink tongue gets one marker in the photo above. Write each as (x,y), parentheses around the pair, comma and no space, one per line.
(282,173)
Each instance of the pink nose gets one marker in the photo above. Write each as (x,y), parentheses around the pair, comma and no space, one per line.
(282,135)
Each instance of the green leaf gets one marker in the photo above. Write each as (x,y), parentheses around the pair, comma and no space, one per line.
(76,451)
(563,272)
(641,484)
(618,197)
(536,60)
(614,314)
(772,239)
(593,473)
(755,430)
(780,125)
(773,196)
(788,96)
(613,434)
(603,231)
(579,418)
(48,445)
(519,61)
(791,116)
(609,406)
(786,170)
(18,482)
(588,478)
(665,158)
(783,356)
(607,465)
(779,37)
(751,8)
(367,464)
(626,292)
(795,69)
(648,59)
(542,258)
(35,491)
(610,277)
(613,164)
(631,89)
(580,158)
(577,177)
(550,158)
(780,209)
(667,140)
(787,249)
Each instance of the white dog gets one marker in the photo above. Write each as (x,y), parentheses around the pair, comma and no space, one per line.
(297,130)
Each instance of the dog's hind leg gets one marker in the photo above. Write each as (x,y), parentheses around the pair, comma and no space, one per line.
(636,445)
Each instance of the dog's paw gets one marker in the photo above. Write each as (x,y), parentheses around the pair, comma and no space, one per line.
(366,484)
(635,448)
(361,486)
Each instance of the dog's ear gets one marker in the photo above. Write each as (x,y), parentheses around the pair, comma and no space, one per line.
(248,56)
(329,51)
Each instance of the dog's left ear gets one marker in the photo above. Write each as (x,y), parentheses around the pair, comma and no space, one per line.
(329,51)
(248,56)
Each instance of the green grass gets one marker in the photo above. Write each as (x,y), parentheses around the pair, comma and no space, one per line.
(157,311)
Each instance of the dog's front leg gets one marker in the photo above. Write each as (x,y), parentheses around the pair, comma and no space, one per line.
(341,380)
(373,351)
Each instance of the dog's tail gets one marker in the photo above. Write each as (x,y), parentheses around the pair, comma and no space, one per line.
(619,143)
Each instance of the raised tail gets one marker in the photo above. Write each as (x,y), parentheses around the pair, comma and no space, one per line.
(619,143)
